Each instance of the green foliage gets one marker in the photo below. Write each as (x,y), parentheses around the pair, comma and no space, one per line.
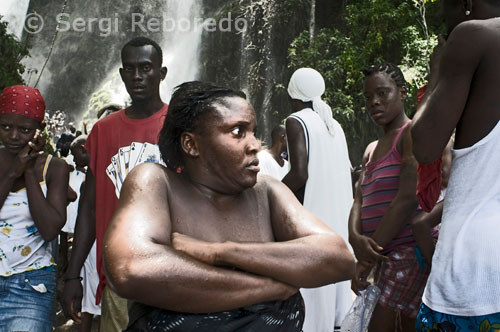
(12,52)
(372,31)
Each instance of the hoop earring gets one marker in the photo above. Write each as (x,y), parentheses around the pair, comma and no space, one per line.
(467,12)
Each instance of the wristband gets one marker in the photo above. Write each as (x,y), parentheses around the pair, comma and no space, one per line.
(73,278)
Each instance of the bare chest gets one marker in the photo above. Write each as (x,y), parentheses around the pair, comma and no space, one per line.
(246,219)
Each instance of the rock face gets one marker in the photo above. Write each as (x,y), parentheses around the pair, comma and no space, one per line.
(247,50)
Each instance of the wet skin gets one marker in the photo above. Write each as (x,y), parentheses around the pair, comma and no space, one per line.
(211,236)
(142,73)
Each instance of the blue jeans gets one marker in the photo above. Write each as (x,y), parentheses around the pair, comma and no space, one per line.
(22,308)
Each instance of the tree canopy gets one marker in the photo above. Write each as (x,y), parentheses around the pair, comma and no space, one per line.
(12,51)
(370,31)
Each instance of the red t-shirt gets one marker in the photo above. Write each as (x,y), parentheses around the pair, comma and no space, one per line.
(107,136)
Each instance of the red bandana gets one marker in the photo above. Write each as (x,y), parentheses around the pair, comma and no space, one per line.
(24,100)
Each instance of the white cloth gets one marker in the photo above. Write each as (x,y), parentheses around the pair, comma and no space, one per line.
(76,179)
(465,274)
(269,166)
(328,195)
(307,84)
(90,282)
(22,248)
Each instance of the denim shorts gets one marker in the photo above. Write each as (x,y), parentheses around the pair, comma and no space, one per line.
(22,307)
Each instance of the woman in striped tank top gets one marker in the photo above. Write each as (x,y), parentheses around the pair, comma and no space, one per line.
(385,203)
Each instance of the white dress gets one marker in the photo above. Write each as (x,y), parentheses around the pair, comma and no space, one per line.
(269,166)
(328,195)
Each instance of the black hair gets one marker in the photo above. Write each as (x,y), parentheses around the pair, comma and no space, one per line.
(276,133)
(190,103)
(391,69)
(143,41)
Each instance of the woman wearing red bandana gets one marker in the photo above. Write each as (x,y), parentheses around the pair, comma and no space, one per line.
(33,189)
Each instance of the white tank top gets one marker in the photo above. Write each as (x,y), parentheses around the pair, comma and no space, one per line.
(465,275)
(22,248)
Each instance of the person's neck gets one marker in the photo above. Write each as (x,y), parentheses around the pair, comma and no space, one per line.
(275,151)
(396,123)
(144,109)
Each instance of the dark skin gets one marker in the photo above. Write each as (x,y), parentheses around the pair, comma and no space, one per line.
(141,73)
(423,224)
(462,91)
(184,259)
(22,166)
(384,102)
(278,147)
(297,177)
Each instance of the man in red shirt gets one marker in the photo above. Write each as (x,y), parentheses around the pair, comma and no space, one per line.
(141,73)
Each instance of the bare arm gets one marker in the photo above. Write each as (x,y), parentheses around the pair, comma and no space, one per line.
(141,264)
(298,174)
(405,202)
(307,253)
(422,227)
(365,248)
(83,239)
(23,160)
(49,213)
(445,100)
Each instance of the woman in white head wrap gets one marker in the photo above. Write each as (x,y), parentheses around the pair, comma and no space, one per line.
(320,169)
(306,84)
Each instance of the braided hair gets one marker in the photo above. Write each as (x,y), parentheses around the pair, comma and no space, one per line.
(392,70)
(189,105)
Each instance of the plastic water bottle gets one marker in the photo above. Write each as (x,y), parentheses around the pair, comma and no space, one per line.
(359,316)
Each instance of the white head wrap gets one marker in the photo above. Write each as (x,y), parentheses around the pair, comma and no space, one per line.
(307,84)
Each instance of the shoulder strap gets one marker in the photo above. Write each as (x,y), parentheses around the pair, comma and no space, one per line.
(398,136)
(46,166)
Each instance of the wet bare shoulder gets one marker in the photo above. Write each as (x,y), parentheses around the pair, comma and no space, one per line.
(146,177)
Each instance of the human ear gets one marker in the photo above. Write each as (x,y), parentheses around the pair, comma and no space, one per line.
(403,92)
(121,73)
(189,144)
(163,72)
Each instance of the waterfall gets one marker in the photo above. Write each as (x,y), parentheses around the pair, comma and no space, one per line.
(14,12)
(181,26)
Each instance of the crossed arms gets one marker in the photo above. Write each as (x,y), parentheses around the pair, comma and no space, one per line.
(146,262)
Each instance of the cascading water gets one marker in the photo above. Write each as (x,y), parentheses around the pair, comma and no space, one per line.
(182,31)
(14,12)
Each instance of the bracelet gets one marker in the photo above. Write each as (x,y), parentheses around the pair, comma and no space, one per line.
(73,278)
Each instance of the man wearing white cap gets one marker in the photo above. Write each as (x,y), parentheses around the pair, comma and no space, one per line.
(320,177)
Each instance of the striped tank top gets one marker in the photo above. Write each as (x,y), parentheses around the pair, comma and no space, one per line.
(379,187)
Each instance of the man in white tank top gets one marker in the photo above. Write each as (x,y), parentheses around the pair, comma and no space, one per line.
(463,289)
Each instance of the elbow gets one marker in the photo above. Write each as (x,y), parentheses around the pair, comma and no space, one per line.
(346,267)
(422,150)
(342,264)
(301,176)
(426,156)
(120,269)
(50,235)
(121,277)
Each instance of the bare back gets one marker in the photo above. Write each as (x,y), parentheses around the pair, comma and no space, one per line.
(463,92)
(482,109)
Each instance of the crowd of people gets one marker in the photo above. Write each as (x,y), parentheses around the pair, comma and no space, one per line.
(223,234)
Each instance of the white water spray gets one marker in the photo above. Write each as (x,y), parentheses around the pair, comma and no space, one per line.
(14,12)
